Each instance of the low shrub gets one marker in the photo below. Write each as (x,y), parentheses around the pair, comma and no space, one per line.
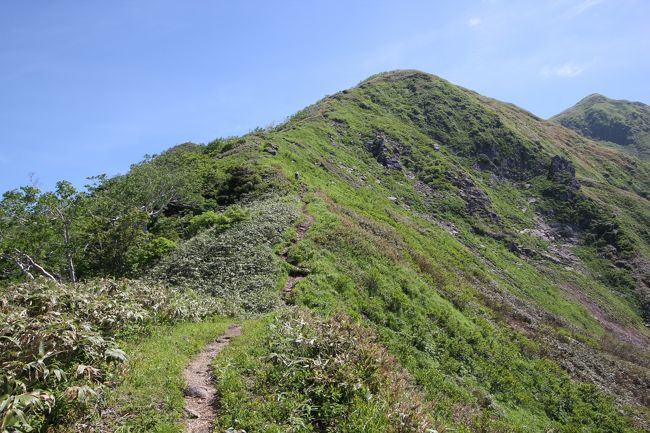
(58,342)
(237,266)
(316,374)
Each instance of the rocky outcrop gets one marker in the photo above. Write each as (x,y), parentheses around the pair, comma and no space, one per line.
(563,173)
(478,202)
(387,151)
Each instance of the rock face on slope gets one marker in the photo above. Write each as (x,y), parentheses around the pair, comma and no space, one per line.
(387,151)
(621,122)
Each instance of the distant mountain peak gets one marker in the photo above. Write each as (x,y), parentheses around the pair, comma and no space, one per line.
(617,121)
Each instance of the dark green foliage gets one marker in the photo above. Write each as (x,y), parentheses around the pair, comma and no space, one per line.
(223,145)
(240,180)
(152,249)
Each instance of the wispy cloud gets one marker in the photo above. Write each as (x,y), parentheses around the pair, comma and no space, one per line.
(566,70)
(473,22)
(581,7)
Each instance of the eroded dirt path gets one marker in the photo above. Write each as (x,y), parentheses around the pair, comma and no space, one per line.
(200,393)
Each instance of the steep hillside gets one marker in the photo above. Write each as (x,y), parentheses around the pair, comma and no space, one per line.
(617,121)
(407,255)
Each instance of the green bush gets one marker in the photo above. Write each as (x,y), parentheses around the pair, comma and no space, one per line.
(207,220)
(218,221)
(316,375)
(236,265)
(141,256)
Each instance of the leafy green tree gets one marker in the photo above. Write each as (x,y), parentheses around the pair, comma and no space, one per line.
(121,210)
(37,231)
(62,207)
(26,235)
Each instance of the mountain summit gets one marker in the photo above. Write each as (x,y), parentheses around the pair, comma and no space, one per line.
(621,122)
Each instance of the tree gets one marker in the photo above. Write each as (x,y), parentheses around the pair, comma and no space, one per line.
(26,237)
(62,206)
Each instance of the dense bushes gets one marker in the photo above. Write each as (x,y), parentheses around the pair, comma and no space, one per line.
(309,374)
(57,342)
(220,221)
(121,225)
(236,265)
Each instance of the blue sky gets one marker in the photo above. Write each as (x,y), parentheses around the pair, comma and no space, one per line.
(89,87)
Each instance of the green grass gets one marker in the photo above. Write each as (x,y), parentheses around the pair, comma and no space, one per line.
(424,290)
(488,339)
(150,396)
(432,321)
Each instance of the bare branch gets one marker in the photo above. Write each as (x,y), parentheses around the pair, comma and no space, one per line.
(25,269)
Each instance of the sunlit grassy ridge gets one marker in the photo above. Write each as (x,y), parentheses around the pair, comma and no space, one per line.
(360,202)
(150,396)
(450,236)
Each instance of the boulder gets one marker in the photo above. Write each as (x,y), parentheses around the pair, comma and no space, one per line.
(196,391)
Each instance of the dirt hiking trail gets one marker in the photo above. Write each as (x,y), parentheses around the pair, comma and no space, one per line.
(200,393)
(297,274)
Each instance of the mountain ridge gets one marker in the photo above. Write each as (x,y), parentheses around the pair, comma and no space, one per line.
(488,265)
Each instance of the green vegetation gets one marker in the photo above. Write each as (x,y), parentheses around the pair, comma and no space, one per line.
(297,373)
(475,371)
(150,396)
(469,268)
(621,122)
(236,266)
(59,341)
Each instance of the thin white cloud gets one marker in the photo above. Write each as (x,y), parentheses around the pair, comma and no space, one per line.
(566,70)
(473,22)
(581,7)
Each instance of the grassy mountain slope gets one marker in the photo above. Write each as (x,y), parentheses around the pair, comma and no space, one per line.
(620,122)
(470,267)
(407,162)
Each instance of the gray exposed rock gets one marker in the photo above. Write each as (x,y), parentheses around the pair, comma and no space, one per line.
(520,249)
(477,200)
(387,151)
(196,391)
